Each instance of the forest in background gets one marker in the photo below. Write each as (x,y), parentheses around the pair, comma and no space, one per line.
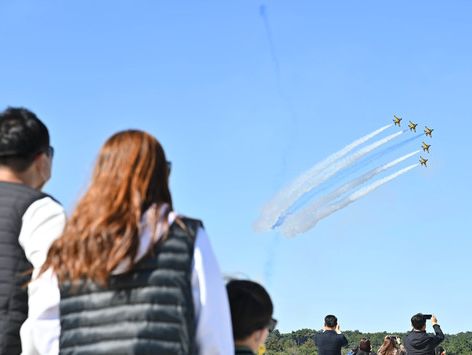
(301,342)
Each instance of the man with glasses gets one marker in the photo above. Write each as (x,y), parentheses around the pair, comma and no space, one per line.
(251,315)
(29,221)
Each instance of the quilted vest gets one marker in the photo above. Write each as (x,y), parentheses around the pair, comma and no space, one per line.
(148,310)
(15,269)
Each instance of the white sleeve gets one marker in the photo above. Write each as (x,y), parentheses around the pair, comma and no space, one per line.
(40,332)
(214,334)
(43,222)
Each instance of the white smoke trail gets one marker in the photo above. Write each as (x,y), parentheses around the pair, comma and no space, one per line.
(315,176)
(297,226)
(299,217)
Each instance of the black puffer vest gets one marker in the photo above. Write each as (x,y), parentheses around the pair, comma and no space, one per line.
(148,310)
(14,267)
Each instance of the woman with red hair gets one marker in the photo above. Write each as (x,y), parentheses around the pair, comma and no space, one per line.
(129,275)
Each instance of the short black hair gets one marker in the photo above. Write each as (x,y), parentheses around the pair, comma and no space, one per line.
(331,321)
(418,321)
(438,350)
(22,137)
(251,307)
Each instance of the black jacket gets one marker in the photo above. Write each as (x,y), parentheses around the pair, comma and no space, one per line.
(15,268)
(148,310)
(422,343)
(329,342)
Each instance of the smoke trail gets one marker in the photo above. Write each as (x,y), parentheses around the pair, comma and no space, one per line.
(295,229)
(287,196)
(343,174)
(293,218)
(273,54)
(285,98)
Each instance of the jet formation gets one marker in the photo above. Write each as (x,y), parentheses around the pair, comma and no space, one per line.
(412,126)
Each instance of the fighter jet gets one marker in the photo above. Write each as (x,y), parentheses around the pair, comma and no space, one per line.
(423,161)
(428,131)
(397,120)
(425,147)
(412,126)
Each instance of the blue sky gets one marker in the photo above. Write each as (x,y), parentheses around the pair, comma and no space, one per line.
(201,77)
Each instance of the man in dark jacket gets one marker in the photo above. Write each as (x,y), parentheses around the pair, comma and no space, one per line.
(418,342)
(330,340)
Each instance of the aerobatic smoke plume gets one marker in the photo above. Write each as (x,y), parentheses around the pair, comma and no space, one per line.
(294,216)
(317,174)
(301,225)
(295,209)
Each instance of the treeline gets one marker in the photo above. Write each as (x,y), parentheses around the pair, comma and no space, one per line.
(300,342)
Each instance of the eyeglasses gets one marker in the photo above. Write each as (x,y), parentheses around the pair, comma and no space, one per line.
(272,324)
(49,151)
(169,166)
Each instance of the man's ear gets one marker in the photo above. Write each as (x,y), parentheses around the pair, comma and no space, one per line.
(257,335)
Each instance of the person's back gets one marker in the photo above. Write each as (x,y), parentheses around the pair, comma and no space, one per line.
(159,310)
(330,340)
(134,277)
(418,342)
(29,221)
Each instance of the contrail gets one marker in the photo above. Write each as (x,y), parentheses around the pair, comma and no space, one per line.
(294,217)
(307,181)
(273,54)
(341,175)
(295,229)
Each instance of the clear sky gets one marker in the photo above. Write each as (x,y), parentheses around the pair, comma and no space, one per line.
(241,111)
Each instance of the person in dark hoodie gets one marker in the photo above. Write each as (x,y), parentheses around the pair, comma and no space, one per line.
(418,342)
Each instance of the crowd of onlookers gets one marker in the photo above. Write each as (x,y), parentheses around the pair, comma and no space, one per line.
(416,342)
(125,273)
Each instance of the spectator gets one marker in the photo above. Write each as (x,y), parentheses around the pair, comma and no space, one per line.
(418,342)
(251,315)
(29,221)
(330,340)
(365,348)
(439,350)
(134,277)
(390,346)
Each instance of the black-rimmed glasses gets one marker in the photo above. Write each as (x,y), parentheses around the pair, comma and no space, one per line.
(169,166)
(272,324)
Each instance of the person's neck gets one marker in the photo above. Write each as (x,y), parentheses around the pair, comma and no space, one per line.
(245,344)
(6,175)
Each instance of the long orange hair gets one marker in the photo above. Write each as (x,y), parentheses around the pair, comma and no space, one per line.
(130,176)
